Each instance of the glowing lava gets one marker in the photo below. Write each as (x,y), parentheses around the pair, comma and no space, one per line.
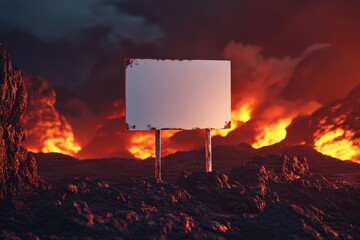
(47,130)
(63,144)
(142,144)
(57,137)
(337,143)
(272,134)
(239,116)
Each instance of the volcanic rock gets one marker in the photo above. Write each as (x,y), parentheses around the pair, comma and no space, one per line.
(283,166)
(18,169)
(272,196)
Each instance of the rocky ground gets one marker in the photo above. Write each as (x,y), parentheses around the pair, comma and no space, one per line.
(271,197)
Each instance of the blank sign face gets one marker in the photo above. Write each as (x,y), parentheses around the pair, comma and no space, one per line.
(177,94)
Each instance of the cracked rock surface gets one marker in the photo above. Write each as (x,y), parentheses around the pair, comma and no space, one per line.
(18,169)
(272,196)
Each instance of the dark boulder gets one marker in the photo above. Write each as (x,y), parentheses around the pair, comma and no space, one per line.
(281,167)
(18,169)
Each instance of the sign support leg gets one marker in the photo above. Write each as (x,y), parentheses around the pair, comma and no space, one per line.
(158,154)
(208,154)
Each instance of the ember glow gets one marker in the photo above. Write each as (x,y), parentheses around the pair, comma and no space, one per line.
(239,116)
(47,130)
(271,127)
(337,143)
(142,144)
(63,144)
(57,137)
(271,134)
(336,129)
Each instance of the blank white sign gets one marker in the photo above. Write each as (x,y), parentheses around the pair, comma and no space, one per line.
(177,94)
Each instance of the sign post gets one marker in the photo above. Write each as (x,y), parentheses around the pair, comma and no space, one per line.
(208,152)
(178,94)
(158,154)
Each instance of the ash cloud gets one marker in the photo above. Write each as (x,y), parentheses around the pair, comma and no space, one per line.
(49,22)
(64,41)
(326,74)
(282,27)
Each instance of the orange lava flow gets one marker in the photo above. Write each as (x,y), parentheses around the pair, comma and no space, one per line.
(65,145)
(272,133)
(142,144)
(60,141)
(238,116)
(337,143)
(54,135)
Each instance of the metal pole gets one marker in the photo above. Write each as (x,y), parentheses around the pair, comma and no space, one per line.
(158,154)
(208,154)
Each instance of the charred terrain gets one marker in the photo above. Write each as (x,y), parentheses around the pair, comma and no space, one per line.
(273,196)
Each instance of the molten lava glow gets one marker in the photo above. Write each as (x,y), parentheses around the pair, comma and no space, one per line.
(142,144)
(337,143)
(65,145)
(53,135)
(272,133)
(47,130)
(60,141)
(238,116)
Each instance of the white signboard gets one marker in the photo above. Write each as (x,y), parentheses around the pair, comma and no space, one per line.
(177,94)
